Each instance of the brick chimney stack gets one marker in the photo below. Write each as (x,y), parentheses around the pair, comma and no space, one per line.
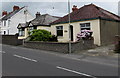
(74,8)
(4,13)
(16,8)
(38,14)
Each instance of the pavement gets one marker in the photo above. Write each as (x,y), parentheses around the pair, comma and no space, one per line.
(101,55)
(20,61)
(107,51)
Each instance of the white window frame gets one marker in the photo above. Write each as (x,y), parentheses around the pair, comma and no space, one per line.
(21,32)
(4,23)
(60,30)
(31,29)
(85,26)
(8,23)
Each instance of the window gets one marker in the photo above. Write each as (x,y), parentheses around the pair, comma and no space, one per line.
(31,29)
(8,32)
(0,31)
(85,26)
(8,23)
(4,22)
(4,32)
(35,27)
(59,30)
(21,32)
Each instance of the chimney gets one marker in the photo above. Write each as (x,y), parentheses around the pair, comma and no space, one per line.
(16,8)
(74,8)
(38,14)
(4,13)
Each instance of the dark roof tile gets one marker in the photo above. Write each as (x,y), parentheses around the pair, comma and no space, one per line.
(88,12)
(11,14)
(23,25)
(45,19)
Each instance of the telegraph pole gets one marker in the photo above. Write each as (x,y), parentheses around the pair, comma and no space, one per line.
(69,26)
(25,12)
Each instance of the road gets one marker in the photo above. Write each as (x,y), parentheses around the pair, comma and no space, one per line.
(19,61)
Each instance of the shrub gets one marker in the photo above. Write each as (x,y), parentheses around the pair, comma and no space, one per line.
(85,35)
(40,35)
(53,38)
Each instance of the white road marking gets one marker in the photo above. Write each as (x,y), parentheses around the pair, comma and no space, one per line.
(2,52)
(74,71)
(25,58)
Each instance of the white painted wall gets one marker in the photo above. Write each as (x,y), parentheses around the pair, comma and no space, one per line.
(65,37)
(95,27)
(44,28)
(38,27)
(14,21)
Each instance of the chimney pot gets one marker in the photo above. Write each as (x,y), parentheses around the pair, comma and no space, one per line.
(16,8)
(38,14)
(74,8)
(4,13)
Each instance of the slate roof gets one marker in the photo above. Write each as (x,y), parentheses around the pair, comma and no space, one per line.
(22,25)
(11,14)
(45,19)
(42,20)
(88,12)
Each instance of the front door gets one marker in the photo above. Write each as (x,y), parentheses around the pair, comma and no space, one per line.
(71,32)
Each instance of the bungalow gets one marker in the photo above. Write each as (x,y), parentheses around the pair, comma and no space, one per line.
(104,24)
(40,22)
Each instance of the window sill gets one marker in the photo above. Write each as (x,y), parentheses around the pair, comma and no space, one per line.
(60,36)
(21,36)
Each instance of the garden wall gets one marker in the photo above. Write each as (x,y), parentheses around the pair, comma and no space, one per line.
(60,47)
(11,40)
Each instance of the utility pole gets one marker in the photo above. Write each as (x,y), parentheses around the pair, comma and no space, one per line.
(69,26)
(0,30)
(25,12)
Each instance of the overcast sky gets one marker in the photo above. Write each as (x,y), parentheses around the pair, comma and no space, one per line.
(57,8)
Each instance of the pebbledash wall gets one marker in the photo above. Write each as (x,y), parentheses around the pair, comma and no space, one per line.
(60,47)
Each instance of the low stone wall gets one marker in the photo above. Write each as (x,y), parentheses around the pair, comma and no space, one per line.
(11,40)
(60,47)
(82,45)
